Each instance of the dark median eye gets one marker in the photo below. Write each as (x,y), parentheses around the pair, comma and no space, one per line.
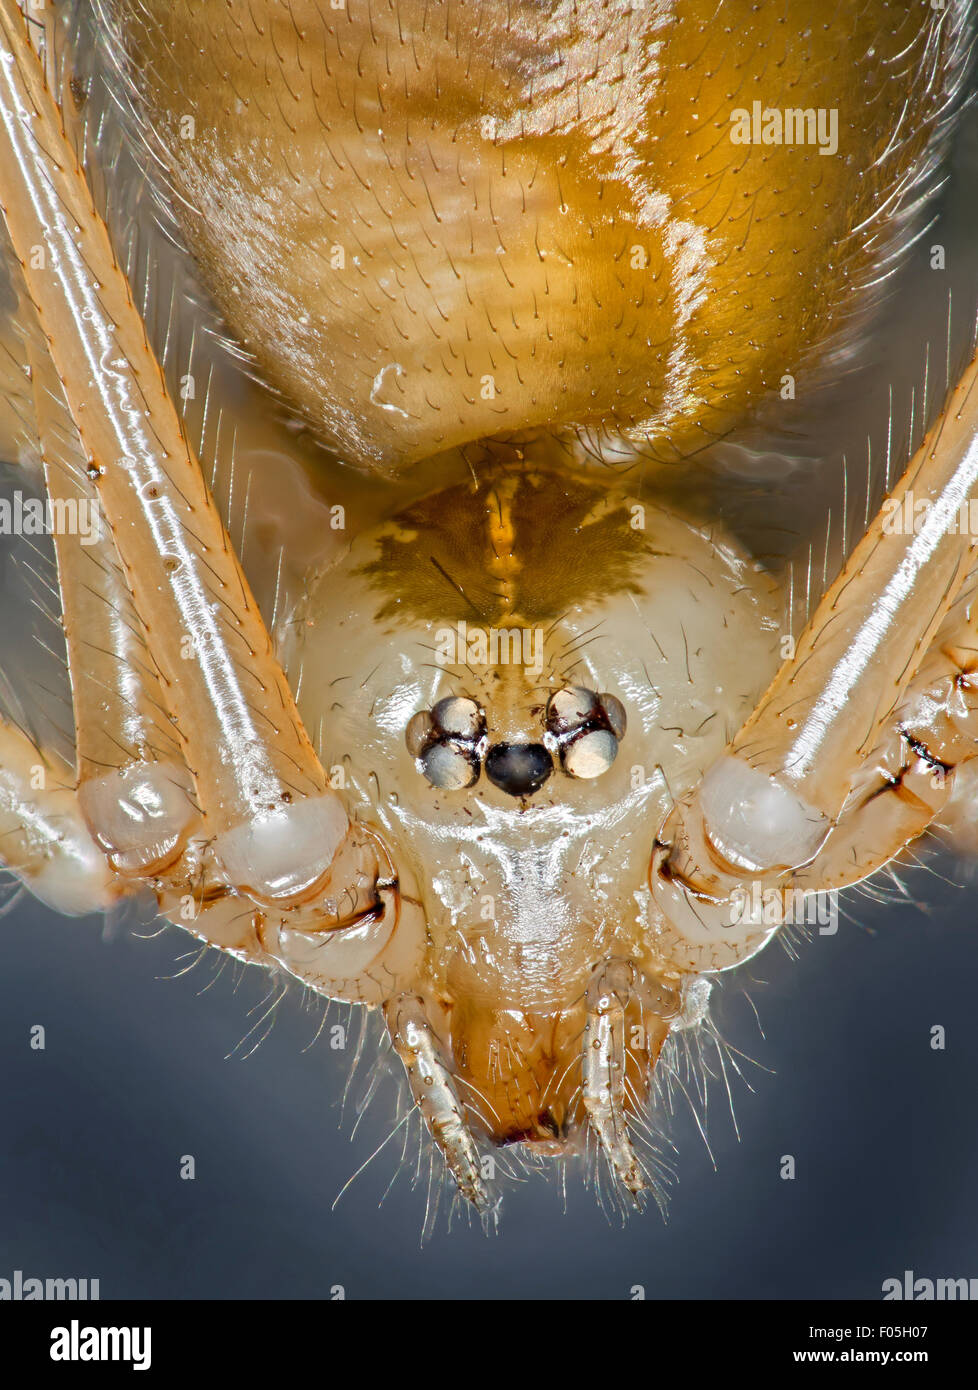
(518,768)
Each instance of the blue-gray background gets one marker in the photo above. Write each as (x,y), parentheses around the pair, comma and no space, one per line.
(884,1131)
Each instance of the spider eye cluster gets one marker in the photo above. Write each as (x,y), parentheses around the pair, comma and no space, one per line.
(450,742)
(585,730)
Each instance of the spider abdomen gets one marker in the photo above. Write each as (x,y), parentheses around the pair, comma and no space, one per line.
(435,223)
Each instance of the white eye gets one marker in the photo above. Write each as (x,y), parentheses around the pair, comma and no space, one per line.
(615,711)
(448,742)
(591,754)
(460,716)
(448,768)
(420,733)
(569,708)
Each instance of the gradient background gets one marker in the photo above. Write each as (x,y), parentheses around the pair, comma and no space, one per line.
(883,1129)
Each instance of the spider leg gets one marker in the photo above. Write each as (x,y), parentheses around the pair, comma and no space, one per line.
(45,841)
(276,828)
(231,821)
(783,789)
(910,776)
(904,785)
(134,790)
(134,800)
(43,837)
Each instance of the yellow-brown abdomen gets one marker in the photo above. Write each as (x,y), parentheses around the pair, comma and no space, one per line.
(434,223)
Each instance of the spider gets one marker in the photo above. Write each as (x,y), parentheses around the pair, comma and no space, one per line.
(500,731)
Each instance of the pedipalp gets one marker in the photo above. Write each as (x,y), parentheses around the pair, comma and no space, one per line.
(436,1097)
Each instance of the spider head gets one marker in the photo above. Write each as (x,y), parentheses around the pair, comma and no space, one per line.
(514,721)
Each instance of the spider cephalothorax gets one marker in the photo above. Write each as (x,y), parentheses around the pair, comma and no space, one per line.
(511,791)
(516,264)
